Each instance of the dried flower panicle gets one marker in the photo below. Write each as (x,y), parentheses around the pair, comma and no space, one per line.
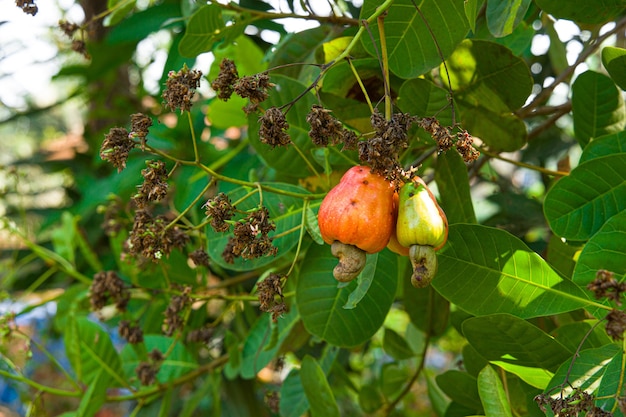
(131,333)
(464,147)
(253,87)
(146,373)
(274,126)
(174,312)
(325,128)
(116,146)
(226,79)
(219,209)
(107,285)
(201,335)
(272,400)
(616,324)
(250,238)
(151,239)
(139,125)
(27,6)
(463,141)
(180,88)
(154,187)
(605,285)
(577,402)
(381,151)
(199,257)
(271,298)
(68,28)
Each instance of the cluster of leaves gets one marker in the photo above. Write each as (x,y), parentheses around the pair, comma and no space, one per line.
(213,271)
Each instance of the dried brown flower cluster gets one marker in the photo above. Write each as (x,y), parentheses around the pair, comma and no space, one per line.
(219,210)
(131,333)
(113,222)
(116,146)
(147,371)
(253,87)
(151,238)
(325,129)
(270,292)
(199,257)
(27,6)
(577,402)
(606,286)
(180,88)
(201,335)
(616,324)
(380,152)
(107,285)
(250,238)
(174,312)
(78,45)
(139,125)
(154,186)
(446,140)
(274,126)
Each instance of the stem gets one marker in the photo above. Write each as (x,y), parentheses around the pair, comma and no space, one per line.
(360,82)
(190,206)
(40,387)
(523,164)
(302,227)
(193,138)
(385,65)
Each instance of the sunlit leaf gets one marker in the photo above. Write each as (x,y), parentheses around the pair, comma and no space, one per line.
(320,301)
(504,16)
(485,270)
(492,394)
(583,11)
(454,190)
(578,205)
(614,60)
(604,146)
(411,48)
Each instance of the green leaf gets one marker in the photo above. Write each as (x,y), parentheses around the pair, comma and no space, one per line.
(94,398)
(299,47)
(395,346)
(91,352)
(614,60)
(462,388)
(64,238)
(473,361)
(583,11)
(231,370)
(319,300)
(502,131)
(579,335)
(533,376)
(287,160)
(255,355)
(285,212)
(454,191)
(504,16)
(318,392)
(393,379)
(364,281)
(178,362)
(410,45)
(312,227)
(141,24)
(586,371)
(485,270)
(370,398)
(438,399)
(204,29)
(561,256)
(293,400)
(428,310)
(424,98)
(604,146)
(119,10)
(478,69)
(492,395)
(597,107)
(471,12)
(506,338)
(578,205)
(606,250)
(612,384)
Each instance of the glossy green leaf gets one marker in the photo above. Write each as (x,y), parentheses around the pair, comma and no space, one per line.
(533,376)
(411,48)
(606,250)
(578,205)
(312,227)
(579,335)
(583,11)
(604,146)
(454,191)
(298,47)
(141,24)
(318,392)
(424,99)
(492,395)
(438,399)
(255,354)
(205,28)
(364,281)
(393,379)
(287,160)
(178,362)
(118,9)
(561,256)
(293,400)
(462,388)
(504,16)
(285,212)
(91,352)
(485,270)
(370,398)
(473,362)
(502,131)
(395,346)
(320,301)
(428,310)
(506,338)
(95,396)
(614,60)
(597,107)
(587,370)
(612,384)
(471,12)
(478,69)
